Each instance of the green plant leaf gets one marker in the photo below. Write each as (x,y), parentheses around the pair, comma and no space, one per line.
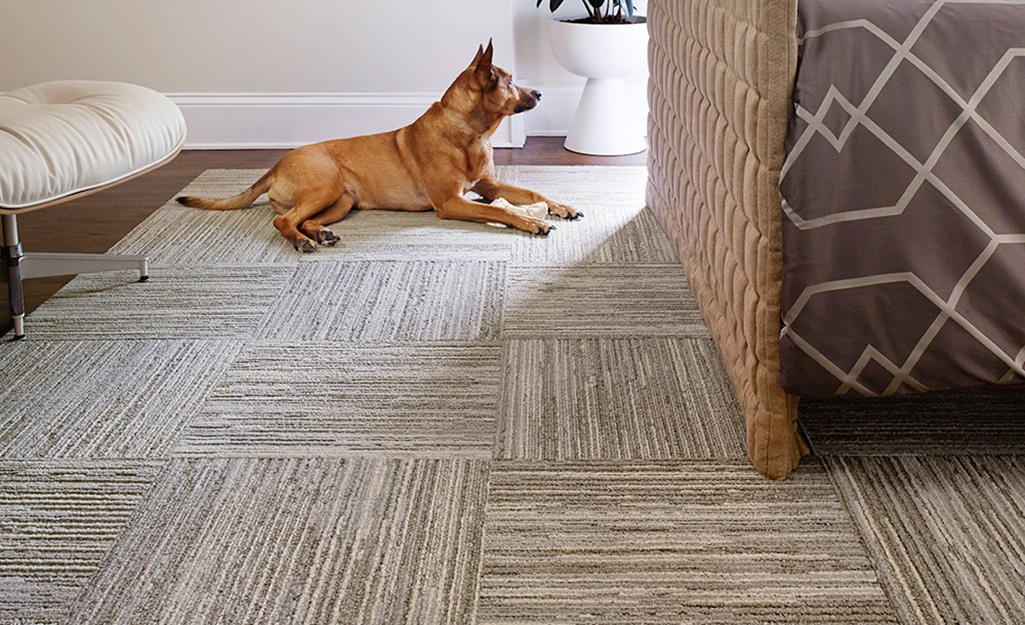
(596,3)
(555,4)
(629,4)
(539,3)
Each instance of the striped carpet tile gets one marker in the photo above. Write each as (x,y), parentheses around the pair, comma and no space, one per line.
(946,533)
(188,303)
(616,229)
(302,400)
(638,398)
(586,301)
(373,301)
(684,542)
(586,186)
(103,399)
(58,520)
(399,235)
(968,422)
(301,541)
(179,235)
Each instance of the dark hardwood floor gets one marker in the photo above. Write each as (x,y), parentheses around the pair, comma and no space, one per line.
(93,224)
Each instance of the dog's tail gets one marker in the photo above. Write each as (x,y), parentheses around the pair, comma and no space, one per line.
(241,200)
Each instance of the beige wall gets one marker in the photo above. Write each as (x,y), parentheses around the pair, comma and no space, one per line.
(262,46)
(381,61)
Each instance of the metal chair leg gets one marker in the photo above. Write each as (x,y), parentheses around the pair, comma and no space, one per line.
(11,255)
(23,266)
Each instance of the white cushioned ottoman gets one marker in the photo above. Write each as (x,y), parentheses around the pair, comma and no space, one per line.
(62,138)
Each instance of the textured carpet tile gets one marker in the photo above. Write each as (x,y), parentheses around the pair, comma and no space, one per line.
(613,399)
(189,303)
(299,541)
(179,235)
(297,400)
(946,533)
(656,543)
(586,187)
(616,229)
(400,235)
(103,399)
(969,422)
(58,520)
(616,300)
(373,301)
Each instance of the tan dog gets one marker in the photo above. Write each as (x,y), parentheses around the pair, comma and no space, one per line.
(427,165)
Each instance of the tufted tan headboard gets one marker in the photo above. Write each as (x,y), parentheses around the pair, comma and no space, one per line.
(720,93)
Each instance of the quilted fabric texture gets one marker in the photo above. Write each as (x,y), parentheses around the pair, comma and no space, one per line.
(721,78)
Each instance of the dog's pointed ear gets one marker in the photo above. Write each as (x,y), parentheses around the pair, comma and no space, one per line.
(489,55)
(484,65)
(476,59)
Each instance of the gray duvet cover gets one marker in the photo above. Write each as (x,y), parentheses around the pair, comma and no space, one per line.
(904,198)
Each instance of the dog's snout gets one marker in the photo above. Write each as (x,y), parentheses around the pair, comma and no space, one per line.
(536,94)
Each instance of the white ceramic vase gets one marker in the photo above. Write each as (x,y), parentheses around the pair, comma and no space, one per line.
(605,122)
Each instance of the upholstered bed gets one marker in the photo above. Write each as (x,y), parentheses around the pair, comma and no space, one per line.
(835,287)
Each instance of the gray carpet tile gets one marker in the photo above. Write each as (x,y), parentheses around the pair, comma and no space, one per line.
(188,303)
(965,422)
(103,399)
(613,300)
(58,520)
(179,235)
(374,301)
(947,534)
(297,541)
(610,399)
(309,400)
(706,541)
(443,422)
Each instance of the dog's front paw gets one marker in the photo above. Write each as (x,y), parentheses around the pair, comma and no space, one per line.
(541,227)
(564,211)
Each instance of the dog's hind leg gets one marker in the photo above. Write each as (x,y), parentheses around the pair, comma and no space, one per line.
(304,208)
(314,227)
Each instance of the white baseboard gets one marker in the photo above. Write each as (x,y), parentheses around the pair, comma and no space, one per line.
(287,120)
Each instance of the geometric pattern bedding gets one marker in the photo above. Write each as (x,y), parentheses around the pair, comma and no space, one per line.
(904,198)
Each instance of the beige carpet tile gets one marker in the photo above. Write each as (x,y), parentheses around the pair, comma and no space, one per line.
(580,186)
(179,235)
(640,398)
(308,400)
(963,422)
(399,235)
(946,533)
(103,399)
(600,300)
(706,541)
(297,541)
(188,303)
(616,228)
(374,301)
(58,520)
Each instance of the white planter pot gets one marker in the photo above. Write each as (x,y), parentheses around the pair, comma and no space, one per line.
(604,123)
